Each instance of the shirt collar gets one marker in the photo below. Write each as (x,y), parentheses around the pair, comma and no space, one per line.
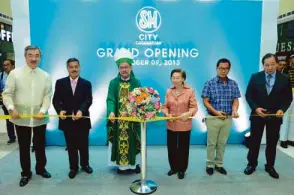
(185,86)
(127,79)
(28,69)
(218,80)
(273,74)
(76,79)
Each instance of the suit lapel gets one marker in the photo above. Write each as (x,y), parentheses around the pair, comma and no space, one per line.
(276,82)
(68,83)
(77,90)
(263,82)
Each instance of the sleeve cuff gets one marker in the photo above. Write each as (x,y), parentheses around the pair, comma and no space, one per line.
(10,107)
(43,111)
(283,109)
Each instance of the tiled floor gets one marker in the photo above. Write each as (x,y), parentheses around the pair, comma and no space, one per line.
(289,151)
(105,181)
(4,148)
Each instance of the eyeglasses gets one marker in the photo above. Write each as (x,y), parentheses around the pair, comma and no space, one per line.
(224,69)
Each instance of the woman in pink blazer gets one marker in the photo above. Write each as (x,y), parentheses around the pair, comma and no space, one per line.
(180,102)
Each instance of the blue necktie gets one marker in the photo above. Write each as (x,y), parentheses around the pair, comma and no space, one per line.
(268,83)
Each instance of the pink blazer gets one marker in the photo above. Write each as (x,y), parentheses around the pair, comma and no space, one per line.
(176,105)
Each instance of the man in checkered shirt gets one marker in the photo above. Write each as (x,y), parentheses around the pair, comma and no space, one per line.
(220,97)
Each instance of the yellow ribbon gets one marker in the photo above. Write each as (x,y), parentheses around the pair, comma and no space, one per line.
(254,115)
(25,116)
(131,119)
(135,119)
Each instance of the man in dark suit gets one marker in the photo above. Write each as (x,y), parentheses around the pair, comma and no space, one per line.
(269,96)
(73,96)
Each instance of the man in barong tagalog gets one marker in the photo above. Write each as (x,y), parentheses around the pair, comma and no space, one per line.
(123,136)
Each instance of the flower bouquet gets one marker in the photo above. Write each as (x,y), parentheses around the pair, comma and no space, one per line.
(144,103)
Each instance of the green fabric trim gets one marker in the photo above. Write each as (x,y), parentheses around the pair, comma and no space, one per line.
(128,60)
(113,130)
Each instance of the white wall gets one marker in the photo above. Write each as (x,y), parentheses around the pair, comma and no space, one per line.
(21,29)
(21,37)
(269,36)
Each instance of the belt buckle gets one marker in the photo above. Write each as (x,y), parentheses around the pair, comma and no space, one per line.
(268,112)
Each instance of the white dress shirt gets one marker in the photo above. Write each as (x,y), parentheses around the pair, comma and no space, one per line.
(29,91)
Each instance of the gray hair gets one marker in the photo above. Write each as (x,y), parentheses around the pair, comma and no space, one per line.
(32,47)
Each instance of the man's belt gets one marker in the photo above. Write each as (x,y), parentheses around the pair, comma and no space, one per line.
(270,113)
(226,114)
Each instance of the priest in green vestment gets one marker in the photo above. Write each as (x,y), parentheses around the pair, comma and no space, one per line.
(123,136)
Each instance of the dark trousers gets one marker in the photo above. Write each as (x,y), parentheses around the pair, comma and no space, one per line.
(9,125)
(178,145)
(24,135)
(272,137)
(77,140)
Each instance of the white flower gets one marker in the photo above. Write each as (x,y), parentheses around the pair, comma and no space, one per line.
(137,91)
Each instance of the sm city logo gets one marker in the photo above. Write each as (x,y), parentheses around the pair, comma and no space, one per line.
(148,19)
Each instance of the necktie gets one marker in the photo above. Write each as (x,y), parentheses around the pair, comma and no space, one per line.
(73,86)
(268,83)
